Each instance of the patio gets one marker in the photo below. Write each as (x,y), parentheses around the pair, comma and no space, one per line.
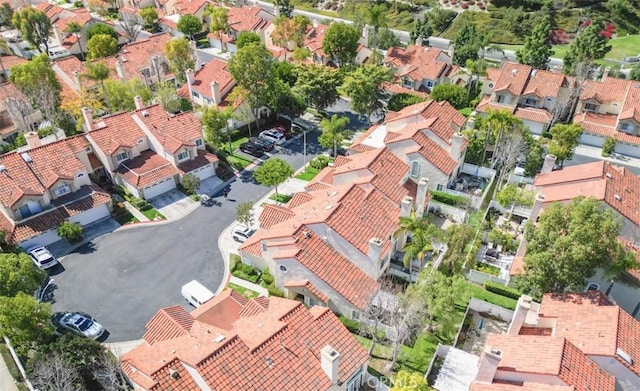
(469,184)
(475,329)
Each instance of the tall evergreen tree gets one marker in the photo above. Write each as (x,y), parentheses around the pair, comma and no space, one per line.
(588,46)
(537,47)
(421,29)
(466,45)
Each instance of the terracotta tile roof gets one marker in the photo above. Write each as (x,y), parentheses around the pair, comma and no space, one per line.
(168,323)
(9,61)
(246,18)
(433,153)
(600,124)
(533,114)
(419,62)
(309,287)
(51,219)
(544,84)
(581,172)
(396,89)
(51,10)
(486,104)
(273,214)
(447,120)
(492,73)
(136,56)
(631,107)
(65,68)
(146,169)
(116,131)
(202,159)
(314,38)
(287,339)
(299,199)
(190,7)
(80,16)
(608,91)
(214,70)
(513,78)
(630,246)
(172,131)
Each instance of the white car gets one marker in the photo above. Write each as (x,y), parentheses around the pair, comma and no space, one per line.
(519,170)
(81,325)
(271,135)
(241,233)
(42,258)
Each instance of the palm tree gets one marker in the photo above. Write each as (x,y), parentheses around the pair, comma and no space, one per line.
(376,17)
(332,133)
(475,68)
(74,28)
(422,232)
(98,72)
(4,48)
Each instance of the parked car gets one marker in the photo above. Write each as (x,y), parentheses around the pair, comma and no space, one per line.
(241,233)
(283,130)
(341,152)
(273,136)
(252,149)
(519,170)
(265,144)
(42,257)
(81,324)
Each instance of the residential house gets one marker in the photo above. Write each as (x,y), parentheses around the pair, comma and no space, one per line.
(44,185)
(344,221)
(420,68)
(533,95)
(239,19)
(148,151)
(8,61)
(16,113)
(610,107)
(426,136)
(313,41)
(232,343)
(570,341)
(187,7)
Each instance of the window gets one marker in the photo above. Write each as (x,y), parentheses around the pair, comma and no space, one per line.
(590,107)
(62,190)
(140,141)
(199,142)
(627,127)
(283,268)
(195,94)
(490,85)
(439,187)
(183,155)
(531,102)
(500,98)
(122,156)
(406,82)
(79,175)
(25,211)
(415,169)
(88,149)
(430,84)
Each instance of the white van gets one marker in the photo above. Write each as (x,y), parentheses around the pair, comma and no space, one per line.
(196,294)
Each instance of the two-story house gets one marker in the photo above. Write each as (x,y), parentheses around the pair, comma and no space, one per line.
(344,221)
(420,68)
(533,95)
(313,41)
(240,19)
(16,113)
(44,185)
(149,151)
(232,343)
(426,136)
(610,107)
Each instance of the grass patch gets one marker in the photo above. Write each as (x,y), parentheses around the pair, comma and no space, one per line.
(235,144)
(474,290)
(237,162)
(281,198)
(466,111)
(307,174)
(152,214)
(624,46)
(11,365)
(248,293)
(122,215)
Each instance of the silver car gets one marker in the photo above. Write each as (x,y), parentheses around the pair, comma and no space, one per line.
(81,325)
(241,233)
(42,257)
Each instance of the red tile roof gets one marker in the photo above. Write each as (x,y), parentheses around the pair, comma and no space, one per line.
(136,56)
(172,131)
(631,107)
(609,90)
(146,169)
(214,70)
(396,89)
(168,323)
(9,61)
(116,131)
(203,158)
(309,287)
(447,120)
(273,214)
(314,38)
(533,114)
(51,10)
(246,18)
(80,16)
(190,7)
(513,78)
(273,336)
(419,62)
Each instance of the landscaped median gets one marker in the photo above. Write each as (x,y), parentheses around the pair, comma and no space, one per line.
(124,216)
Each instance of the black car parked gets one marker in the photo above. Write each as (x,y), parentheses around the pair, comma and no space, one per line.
(252,149)
(265,144)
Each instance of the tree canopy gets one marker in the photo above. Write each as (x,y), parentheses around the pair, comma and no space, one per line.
(456,95)
(34,26)
(410,381)
(568,244)
(589,45)
(150,17)
(537,47)
(284,7)
(333,132)
(341,42)
(17,274)
(101,45)
(100,28)
(365,88)
(466,44)
(290,30)
(564,140)
(253,69)
(318,85)
(37,80)
(246,38)
(273,172)
(399,101)
(189,25)
(513,194)
(376,17)
(25,321)
(214,124)
(180,57)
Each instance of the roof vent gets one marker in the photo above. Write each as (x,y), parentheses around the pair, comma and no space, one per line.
(219,338)
(270,362)
(617,197)
(533,72)
(174,374)
(328,207)
(306,234)
(333,193)
(609,175)
(26,157)
(514,71)
(637,86)
(3,168)
(145,113)
(624,356)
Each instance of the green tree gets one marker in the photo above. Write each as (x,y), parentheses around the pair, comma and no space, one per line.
(214,123)
(333,132)
(6,14)
(98,72)
(34,26)
(290,30)
(150,17)
(287,72)
(74,28)
(535,160)
(421,30)
(438,294)
(37,80)
(619,8)
(180,56)
(120,94)
(564,140)
(273,172)
(387,39)
(537,47)
(318,85)
(609,146)
(71,232)
(191,183)
(466,44)
(245,213)
(189,25)
(288,102)
(400,101)
(376,17)
(219,23)
(25,321)
(300,54)
(100,28)
(457,237)
(568,244)
(589,45)
(341,42)
(246,38)
(100,46)
(284,7)
(456,95)
(634,74)
(17,274)
(365,88)
(421,232)
(512,194)
(167,97)
(410,381)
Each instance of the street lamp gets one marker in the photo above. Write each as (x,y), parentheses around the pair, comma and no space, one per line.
(229,127)
(44,289)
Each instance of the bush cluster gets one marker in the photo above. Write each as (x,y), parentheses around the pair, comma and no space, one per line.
(448,199)
(608,147)
(502,290)
(246,272)
(320,162)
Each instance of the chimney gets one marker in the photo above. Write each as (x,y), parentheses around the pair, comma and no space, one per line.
(87,115)
(78,79)
(519,315)
(537,208)
(138,102)
(421,194)
(549,162)
(215,92)
(120,70)
(315,23)
(191,77)
(330,363)
(488,365)
(365,35)
(405,210)
(33,140)
(456,146)
(375,250)
(58,34)
(605,73)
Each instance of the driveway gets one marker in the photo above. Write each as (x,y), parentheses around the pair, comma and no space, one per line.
(125,277)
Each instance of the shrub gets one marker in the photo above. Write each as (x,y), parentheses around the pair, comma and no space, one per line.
(351,325)
(449,199)
(246,272)
(609,146)
(78,4)
(400,101)
(71,232)
(46,131)
(190,183)
(146,206)
(502,290)
(273,291)
(267,277)
(234,261)
(320,162)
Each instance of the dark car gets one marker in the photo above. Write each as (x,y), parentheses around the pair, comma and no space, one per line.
(252,149)
(341,152)
(265,144)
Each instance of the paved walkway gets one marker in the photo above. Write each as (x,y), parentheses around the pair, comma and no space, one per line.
(135,212)
(249,285)
(6,380)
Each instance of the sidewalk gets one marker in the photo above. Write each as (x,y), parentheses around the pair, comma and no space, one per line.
(249,285)
(6,380)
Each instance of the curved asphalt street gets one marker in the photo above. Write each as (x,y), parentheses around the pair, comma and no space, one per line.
(123,278)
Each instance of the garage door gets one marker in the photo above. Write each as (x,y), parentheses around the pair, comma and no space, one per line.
(535,127)
(41,240)
(159,188)
(91,215)
(204,172)
(628,149)
(591,139)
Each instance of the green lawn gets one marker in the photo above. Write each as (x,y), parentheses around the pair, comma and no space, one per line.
(466,111)
(235,144)
(307,174)
(281,198)
(238,162)
(152,214)
(243,291)
(122,215)
(477,291)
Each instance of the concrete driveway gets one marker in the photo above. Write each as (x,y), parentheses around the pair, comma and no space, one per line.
(173,204)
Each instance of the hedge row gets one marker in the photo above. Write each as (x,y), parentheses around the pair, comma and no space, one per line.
(502,290)
(448,199)
(351,325)
(246,272)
